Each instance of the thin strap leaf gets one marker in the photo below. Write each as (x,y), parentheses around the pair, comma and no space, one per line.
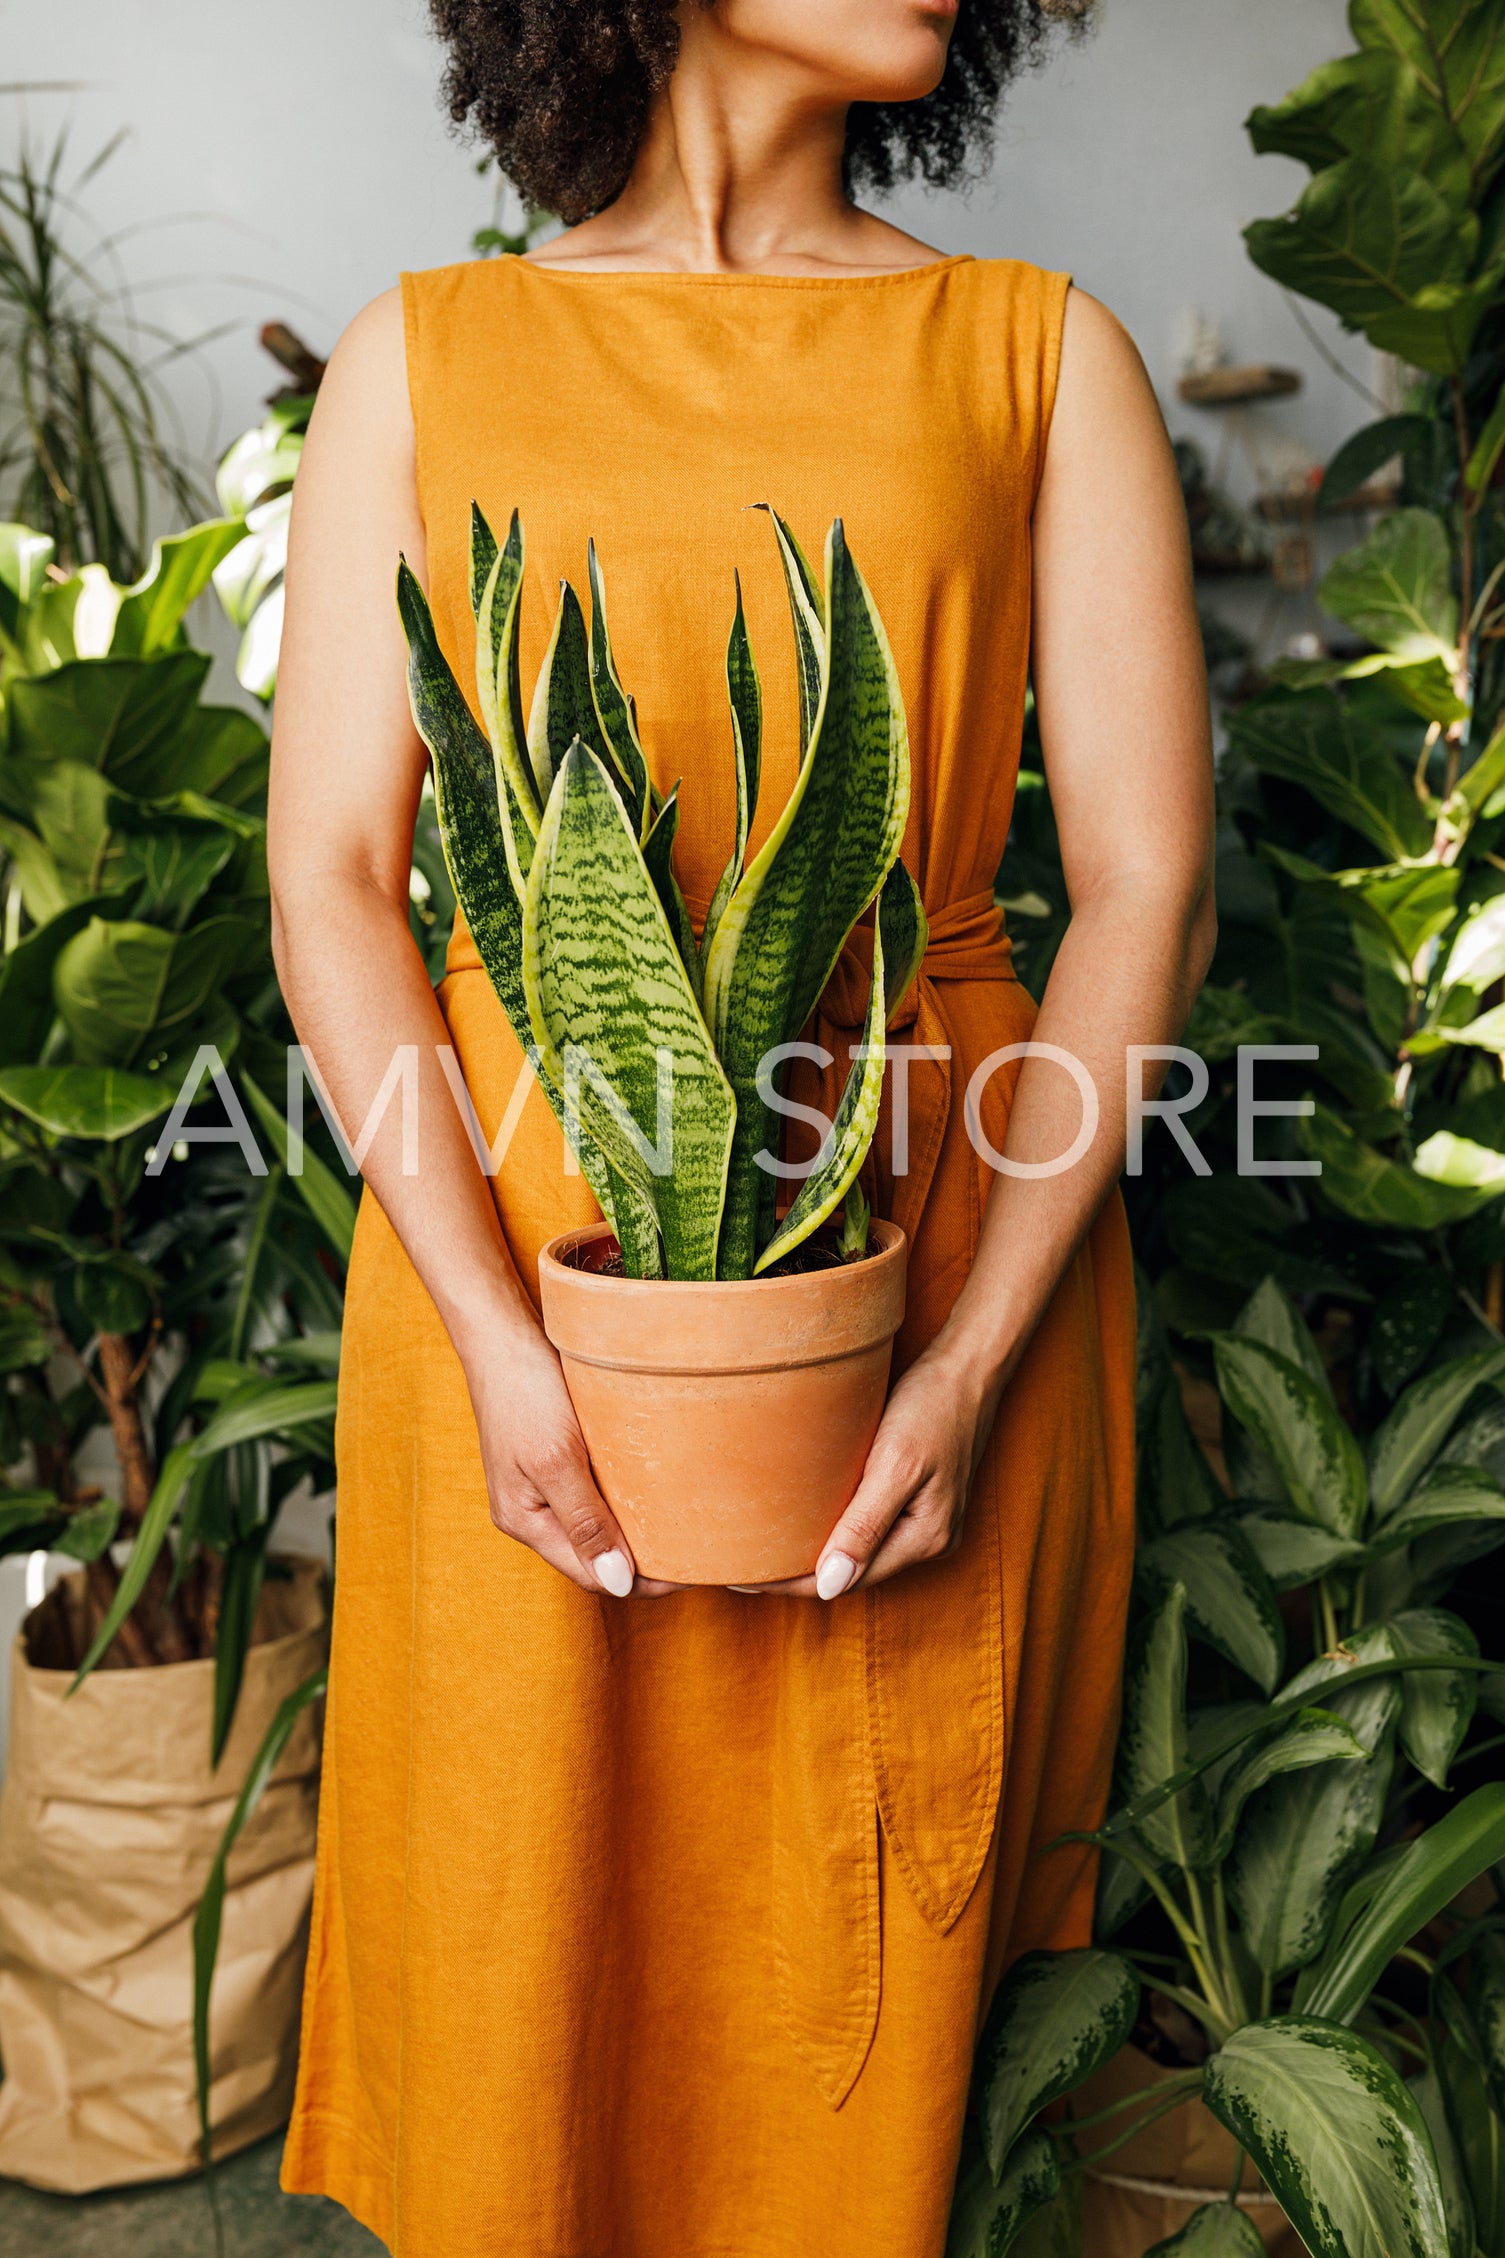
(614,709)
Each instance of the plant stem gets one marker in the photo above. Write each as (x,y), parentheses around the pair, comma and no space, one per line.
(1185,2079)
(1329,1617)
(1165,2102)
(1196,1950)
(1237,2180)
(1213,2023)
(1234,1990)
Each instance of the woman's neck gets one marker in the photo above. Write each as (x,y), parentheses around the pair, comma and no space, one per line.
(740,171)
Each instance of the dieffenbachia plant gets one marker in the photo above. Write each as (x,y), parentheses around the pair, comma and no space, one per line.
(661,1052)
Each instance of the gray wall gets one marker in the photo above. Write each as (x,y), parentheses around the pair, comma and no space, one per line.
(287,157)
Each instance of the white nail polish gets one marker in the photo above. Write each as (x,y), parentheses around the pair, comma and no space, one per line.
(834,1574)
(614,1573)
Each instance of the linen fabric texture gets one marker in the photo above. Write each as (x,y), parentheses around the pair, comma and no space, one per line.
(666,1926)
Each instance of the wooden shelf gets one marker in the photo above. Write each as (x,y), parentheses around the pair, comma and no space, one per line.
(1234,387)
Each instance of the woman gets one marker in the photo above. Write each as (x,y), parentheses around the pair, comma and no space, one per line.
(661,1924)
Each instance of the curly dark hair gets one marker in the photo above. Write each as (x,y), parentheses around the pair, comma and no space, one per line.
(561,91)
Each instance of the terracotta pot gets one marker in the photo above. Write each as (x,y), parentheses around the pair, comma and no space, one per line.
(1147,2190)
(728,1425)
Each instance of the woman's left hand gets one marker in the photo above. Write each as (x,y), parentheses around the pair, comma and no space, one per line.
(912,1499)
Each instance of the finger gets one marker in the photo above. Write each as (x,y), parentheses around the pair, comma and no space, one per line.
(535,1526)
(921,1532)
(564,1478)
(881,1495)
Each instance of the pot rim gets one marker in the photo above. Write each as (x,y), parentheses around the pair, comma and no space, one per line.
(809,1284)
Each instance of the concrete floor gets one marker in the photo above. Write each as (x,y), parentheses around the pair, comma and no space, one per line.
(173,2219)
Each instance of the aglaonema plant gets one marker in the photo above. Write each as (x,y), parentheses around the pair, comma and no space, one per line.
(1261,1868)
(661,1051)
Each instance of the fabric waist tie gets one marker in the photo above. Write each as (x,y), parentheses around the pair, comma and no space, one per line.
(967,941)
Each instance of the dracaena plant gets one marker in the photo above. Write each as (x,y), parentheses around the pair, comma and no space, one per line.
(1261,1870)
(661,1050)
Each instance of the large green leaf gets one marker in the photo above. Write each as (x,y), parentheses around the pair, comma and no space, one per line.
(611,1003)
(1230,1602)
(987,2219)
(1395,589)
(824,861)
(1336,2134)
(1152,1745)
(1437,1706)
(1453,2180)
(151,613)
(1304,1835)
(1425,1876)
(1479,2130)
(1380,246)
(111,714)
(1214,2230)
(1299,1429)
(1057,2018)
(899,937)
(1414,1431)
(1314,1736)
(94,1102)
(475,852)
(26,1005)
(1312,738)
(117,983)
(1443,1497)
(1365,1184)
(1456,48)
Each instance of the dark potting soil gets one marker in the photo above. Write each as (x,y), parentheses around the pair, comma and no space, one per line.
(821,1251)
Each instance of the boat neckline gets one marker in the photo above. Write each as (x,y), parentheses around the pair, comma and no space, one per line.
(566,272)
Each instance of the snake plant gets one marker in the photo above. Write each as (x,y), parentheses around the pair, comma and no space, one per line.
(660,1050)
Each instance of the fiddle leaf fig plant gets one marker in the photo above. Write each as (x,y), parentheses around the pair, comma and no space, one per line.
(660,1051)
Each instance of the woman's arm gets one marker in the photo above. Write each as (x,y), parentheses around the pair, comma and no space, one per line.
(1122,699)
(347,770)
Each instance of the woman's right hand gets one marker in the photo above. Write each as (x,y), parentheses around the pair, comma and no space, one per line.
(538,1472)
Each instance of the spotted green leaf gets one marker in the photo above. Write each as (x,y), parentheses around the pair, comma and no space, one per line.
(827,856)
(1292,1551)
(614,710)
(987,2219)
(1057,2018)
(475,853)
(1270,1315)
(899,936)
(745,694)
(1214,2230)
(1314,1736)
(1230,1601)
(1152,1746)
(1298,1427)
(1305,1834)
(1337,2136)
(1407,1441)
(616,1039)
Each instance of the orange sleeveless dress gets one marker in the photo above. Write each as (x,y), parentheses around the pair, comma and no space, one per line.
(663,1929)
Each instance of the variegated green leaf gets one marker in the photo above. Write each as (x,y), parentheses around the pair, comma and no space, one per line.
(987,2220)
(1294,1552)
(497,602)
(1409,1439)
(1314,1736)
(1152,1738)
(1304,1835)
(745,695)
(824,861)
(807,610)
(1270,1315)
(1444,1495)
(1456,2201)
(1336,2134)
(1298,1427)
(1230,1601)
(899,935)
(593,911)
(1437,1706)
(564,705)
(658,854)
(614,708)
(471,830)
(1057,2018)
(1214,2230)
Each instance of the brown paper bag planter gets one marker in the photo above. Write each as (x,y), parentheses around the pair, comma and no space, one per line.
(109,1821)
(728,1424)
(1147,2190)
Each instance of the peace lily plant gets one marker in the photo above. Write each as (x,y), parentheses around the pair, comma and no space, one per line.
(660,1050)
(1262,1870)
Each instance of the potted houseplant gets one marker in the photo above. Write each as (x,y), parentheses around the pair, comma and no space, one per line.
(695,1319)
(191,1313)
(1272,1919)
